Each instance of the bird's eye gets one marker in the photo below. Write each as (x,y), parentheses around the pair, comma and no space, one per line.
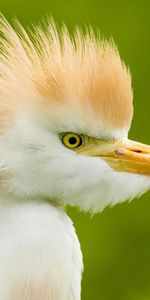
(72,140)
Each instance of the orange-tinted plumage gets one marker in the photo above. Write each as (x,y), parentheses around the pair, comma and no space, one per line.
(54,67)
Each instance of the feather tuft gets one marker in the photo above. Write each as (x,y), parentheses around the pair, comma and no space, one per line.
(50,65)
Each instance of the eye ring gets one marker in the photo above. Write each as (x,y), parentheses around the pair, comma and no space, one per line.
(72,140)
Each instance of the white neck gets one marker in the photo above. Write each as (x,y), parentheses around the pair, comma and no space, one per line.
(38,241)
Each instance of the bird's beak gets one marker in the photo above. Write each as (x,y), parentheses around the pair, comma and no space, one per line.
(122,155)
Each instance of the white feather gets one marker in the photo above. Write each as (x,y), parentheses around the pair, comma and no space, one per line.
(40,256)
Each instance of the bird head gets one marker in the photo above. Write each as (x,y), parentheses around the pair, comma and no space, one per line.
(65,112)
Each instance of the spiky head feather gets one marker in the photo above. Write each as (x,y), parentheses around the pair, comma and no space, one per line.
(50,68)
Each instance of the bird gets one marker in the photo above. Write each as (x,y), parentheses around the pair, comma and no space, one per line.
(66,106)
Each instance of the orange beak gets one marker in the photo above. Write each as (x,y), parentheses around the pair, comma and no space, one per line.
(122,155)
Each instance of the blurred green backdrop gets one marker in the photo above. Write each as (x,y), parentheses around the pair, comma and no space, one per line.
(115,243)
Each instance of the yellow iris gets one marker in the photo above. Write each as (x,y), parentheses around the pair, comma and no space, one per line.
(72,140)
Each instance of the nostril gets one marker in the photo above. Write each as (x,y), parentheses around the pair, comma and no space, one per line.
(136,150)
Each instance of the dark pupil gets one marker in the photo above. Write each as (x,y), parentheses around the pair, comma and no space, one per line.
(72,140)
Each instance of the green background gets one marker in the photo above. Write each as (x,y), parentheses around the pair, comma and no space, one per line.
(115,243)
